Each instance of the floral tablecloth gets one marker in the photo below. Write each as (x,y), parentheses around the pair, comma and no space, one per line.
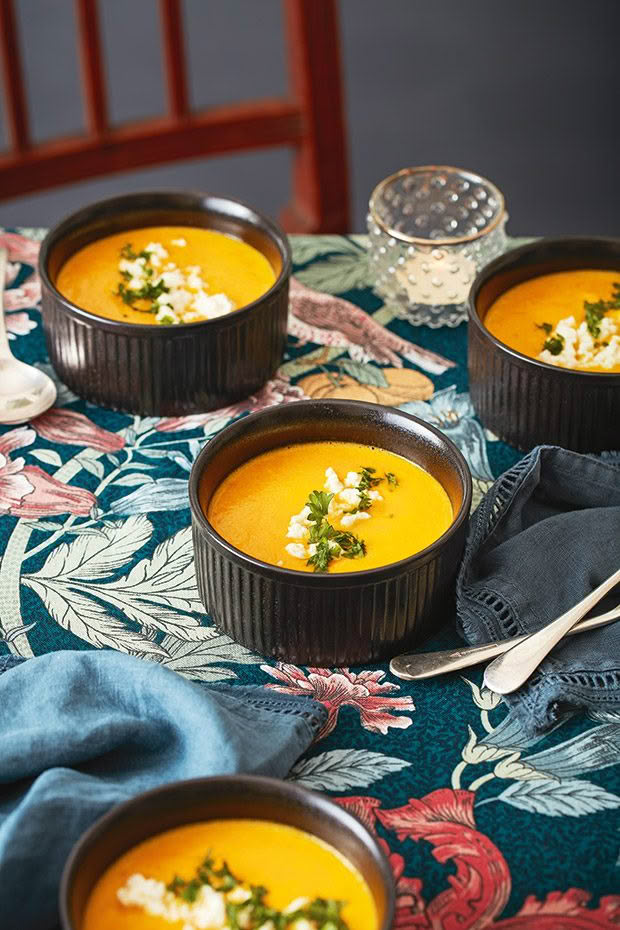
(483,827)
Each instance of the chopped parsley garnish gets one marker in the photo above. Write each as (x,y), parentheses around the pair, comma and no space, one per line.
(254,912)
(148,292)
(330,542)
(554,344)
(391,479)
(547,327)
(368,479)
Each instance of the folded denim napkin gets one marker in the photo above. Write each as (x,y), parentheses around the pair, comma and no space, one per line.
(545,534)
(81,731)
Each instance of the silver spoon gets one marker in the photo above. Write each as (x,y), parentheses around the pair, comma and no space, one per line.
(25,392)
(509,671)
(421,665)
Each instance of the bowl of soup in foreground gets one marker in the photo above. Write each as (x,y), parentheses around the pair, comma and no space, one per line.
(328,532)
(232,851)
(544,344)
(165,303)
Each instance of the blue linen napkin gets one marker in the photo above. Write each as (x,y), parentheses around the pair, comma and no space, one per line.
(82,731)
(545,534)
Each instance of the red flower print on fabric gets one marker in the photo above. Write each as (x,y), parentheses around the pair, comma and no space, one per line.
(336,688)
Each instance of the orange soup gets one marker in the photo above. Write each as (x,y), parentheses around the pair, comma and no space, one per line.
(165,275)
(570,318)
(213,871)
(330,506)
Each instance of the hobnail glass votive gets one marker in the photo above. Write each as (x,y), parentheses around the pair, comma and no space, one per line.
(431,230)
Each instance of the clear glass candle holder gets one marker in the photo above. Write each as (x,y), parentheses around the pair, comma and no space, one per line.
(431,230)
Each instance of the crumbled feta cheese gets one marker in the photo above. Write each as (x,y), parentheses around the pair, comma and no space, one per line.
(179,299)
(297,531)
(374,496)
(186,291)
(194,282)
(135,267)
(302,924)
(157,253)
(166,315)
(348,519)
(212,306)
(156,249)
(180,242)
(239,894)
(350,496)
(353,479)
(207,911)
(333,484)
(581,350)
(296,905)
(173,279)
(297,550)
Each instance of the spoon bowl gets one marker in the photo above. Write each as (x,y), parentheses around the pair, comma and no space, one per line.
(25,392)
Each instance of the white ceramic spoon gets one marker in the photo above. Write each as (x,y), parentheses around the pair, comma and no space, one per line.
(25,392)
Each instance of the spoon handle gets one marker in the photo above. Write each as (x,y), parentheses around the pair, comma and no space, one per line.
(417,666)
(5,351)
(509,671)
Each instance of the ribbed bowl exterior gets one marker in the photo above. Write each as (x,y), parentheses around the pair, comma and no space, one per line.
(165,370)
(328,619)
(523,401)
(325,626)
(167,374)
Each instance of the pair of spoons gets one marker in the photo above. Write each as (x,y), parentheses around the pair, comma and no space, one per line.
(25,392)
(518,657)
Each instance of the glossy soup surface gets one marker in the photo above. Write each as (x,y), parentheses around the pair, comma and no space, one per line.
(91,276)
(253,505)
(288,862)
(516,317)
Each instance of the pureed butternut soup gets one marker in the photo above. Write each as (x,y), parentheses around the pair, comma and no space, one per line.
(165,275)
(238,874)
(569,318)
(329,506)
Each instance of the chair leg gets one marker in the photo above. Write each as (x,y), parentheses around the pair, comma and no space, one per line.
(320,201)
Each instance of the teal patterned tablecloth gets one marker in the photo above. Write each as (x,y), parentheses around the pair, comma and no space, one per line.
(483,827)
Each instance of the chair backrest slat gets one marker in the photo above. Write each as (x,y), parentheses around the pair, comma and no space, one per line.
(309,118)
(12,79)
(174,57)
(87,17)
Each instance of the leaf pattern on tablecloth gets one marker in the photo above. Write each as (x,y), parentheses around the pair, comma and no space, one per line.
(567,798)
(342,769)
(101,557)
(201,659)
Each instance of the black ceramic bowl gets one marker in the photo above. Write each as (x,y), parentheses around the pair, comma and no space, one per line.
(327,619)
(165,370)
(227,797)
(522,400)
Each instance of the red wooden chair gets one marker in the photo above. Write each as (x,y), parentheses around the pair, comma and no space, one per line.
(310,119)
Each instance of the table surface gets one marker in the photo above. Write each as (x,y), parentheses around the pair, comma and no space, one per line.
(483,827)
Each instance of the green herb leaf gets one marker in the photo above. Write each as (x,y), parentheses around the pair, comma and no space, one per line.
(368,480)
(392,479)
(318,502)
(547,327)
(554,344)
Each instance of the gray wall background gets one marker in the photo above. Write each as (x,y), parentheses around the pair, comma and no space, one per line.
(525,92)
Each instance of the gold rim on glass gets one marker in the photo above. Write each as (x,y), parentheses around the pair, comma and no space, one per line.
(421,240)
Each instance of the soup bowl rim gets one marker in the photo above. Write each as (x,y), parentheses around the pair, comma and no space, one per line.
(198,203)
(319,579)
(511,258)
(259,785)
